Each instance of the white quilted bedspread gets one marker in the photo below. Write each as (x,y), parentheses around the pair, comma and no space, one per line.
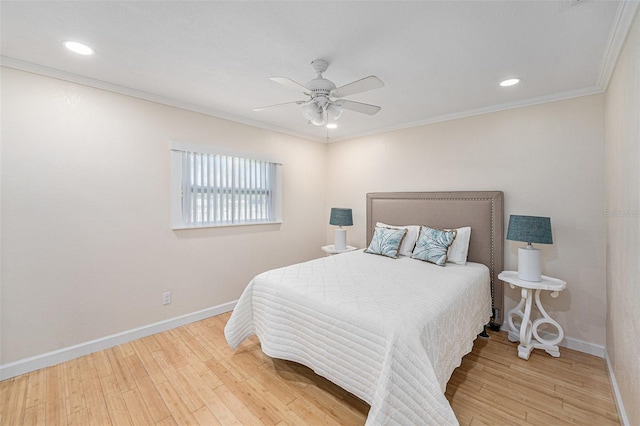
(390,331)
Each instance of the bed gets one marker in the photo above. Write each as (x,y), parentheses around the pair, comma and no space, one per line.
(390,331)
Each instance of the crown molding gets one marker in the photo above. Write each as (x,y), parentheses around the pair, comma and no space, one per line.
(624,20)
(9,62)
(480,111)
(621,26)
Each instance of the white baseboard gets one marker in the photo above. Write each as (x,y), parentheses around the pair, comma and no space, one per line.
(48,359)
(601,352)
(571,343)
(582,346)
(624,420)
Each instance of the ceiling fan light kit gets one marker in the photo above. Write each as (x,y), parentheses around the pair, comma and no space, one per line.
(325,104)
(313,114)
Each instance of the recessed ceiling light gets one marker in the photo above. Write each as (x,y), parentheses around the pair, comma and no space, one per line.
(332,126)
(510,82)
(79,48)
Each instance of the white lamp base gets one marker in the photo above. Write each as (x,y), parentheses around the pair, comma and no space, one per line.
(529,268)
(340,239)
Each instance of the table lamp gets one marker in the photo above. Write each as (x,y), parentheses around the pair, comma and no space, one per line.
(340,217)
(529,229)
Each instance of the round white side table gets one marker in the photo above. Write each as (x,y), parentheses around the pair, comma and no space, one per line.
(331,250)
(527,331)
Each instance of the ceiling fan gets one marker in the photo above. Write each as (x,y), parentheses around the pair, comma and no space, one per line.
(325,103)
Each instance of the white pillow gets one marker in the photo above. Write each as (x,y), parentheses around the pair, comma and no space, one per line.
(460,248)
(409,242)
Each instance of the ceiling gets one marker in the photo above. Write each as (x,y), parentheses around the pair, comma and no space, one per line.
(438,59)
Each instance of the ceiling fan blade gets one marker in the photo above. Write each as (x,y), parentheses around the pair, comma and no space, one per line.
(358,86)
(357,106)
(277,105)
(291,84)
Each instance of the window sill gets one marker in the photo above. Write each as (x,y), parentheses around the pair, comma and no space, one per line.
(230,225)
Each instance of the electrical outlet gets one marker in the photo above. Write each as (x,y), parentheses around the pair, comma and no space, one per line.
(166,298)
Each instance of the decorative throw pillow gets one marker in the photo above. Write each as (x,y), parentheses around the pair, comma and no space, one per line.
(460,247)
(432,245)
(409,242)
(386,241)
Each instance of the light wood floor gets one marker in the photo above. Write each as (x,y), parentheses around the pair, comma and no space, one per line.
(189,376)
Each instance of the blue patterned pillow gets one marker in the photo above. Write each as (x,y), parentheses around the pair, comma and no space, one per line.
(386,241)
(432,245)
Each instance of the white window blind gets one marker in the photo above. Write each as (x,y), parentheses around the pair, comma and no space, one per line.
(221,189)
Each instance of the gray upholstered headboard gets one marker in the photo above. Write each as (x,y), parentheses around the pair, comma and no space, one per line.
(482,210)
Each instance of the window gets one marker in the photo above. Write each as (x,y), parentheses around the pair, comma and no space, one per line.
(215,187)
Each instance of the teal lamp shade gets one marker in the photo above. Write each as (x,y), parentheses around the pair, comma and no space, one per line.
(529,229)
(341,217)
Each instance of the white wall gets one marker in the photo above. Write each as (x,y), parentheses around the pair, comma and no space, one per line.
(548,160)
(87,248)
(87,245)
(623,222)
